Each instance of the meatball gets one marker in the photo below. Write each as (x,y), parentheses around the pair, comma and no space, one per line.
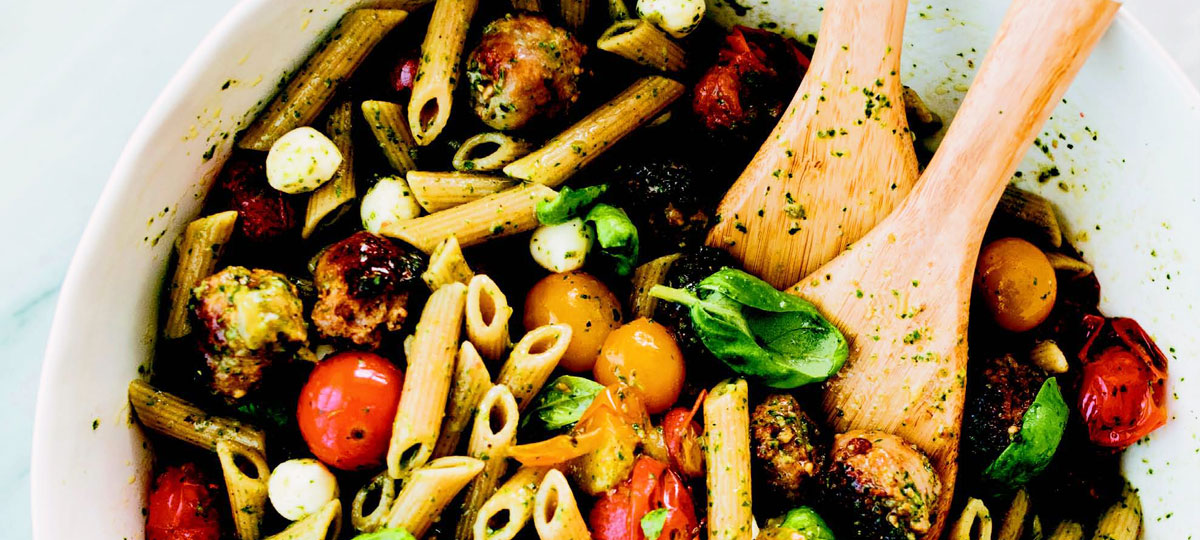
(879,487)
(787,443)
(673,199)
(685,273)
(744,93)
(264,214)
(362,288)
(252,317)
(999,393)
(523,70)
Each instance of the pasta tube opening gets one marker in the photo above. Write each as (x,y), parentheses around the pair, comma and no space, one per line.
(246,475)
(487,316)
(533,359)
(372,502)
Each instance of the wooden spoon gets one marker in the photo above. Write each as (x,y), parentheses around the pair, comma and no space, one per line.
(901,294)
(840,159)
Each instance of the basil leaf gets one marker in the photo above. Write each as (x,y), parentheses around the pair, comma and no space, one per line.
(386,534)
(616,235)
(653,522)
(570,203)
(753,292)
(563,401)
(807,523)
(1035,444)
(274,415)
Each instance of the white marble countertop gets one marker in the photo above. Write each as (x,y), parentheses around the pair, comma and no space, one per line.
(73,94)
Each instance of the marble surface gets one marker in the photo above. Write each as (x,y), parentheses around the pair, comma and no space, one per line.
(74,91)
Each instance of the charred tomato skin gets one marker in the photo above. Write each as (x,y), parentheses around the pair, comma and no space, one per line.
(183,506)
(265,215)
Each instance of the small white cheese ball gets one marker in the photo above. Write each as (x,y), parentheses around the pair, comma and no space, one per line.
(676,17)
(301,160)
(299,487)
(563,247)
(389,199)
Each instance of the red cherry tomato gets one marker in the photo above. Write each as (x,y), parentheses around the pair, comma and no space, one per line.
(681,434)
(651,486)
(183,506)
(347,407)
(1122,394)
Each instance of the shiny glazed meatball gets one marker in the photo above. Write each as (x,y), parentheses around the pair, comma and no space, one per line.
(362,288)
(523,70)
(252,316)
(879,487)
(998,395)
(669,197)
(787,444)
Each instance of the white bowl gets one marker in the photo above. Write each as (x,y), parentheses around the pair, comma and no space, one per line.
(1130,202)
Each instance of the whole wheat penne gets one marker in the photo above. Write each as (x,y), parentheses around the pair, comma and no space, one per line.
(437,75)
(727,458)
(307,93)
(437,191)
(387,123)
(975,523)
(556,512)
(618,10)
(532,360)
(644,43)
(199,249)
(427,380)
(489,152)
(428,491)
(364,521)
(487,317)
(326,522)
(583,142)
(507,511)
(503,214)
(170,415)
(471,382)
(1122,520)
(1067,530)
(645,277)
(1013,526)
(488,444)
(447,265)
(573,12)
(247,489)
(336,193)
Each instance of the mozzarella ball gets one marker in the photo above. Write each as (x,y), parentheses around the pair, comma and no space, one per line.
(389,199)
(301,160)
(676,17)
(299,487)
(563,247)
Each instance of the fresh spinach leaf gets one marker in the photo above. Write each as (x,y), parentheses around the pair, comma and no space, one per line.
(386,534)
(569,204)
(808,523)
(653,522)
(616,235)
(563,401)
(1035,444)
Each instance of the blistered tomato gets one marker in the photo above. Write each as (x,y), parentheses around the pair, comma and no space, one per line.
(1122,394)
(347,408)
(643,355)
(581,301)
(182,506)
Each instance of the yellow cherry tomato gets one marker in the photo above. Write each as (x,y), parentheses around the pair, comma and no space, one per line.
(1016,282)
(643,355)
(580,301)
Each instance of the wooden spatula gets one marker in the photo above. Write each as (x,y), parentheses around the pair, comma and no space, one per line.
(840,159)
(901,294)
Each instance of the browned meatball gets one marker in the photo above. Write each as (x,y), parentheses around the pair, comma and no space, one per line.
(786,442)
(523,70)
(1001,389)
(362,288)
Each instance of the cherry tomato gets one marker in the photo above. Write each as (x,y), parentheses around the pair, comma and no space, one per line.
(183,506)
(643,355)
(1122,394)
(682,437)
(347,408)
(1016,283)
(581,301)
(651,486)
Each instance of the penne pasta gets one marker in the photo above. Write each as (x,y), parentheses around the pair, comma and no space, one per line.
(386,486)
(644,43)
(307,93)
(487,317)
(556,513)
(172,416)
(427,380)
(975,523)
(1067,530)
(494,430)
(489,152)
(645,277)
(618,10)
(437,75)
(447,265)
(503,214)
(471,382)
(199,250)
(247,489)
(532,360)
(437,191)
(1123,520)
(428,491)
(508,510)
(727,458)
(1013,527)
(387,123)
(573,12)
(336,193)
(324,523)
(583,142)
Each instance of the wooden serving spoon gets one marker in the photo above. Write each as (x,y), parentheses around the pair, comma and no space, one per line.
(840,158)
(901,294)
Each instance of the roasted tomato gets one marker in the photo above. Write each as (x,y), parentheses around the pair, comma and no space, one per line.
(264,214)
(651,487)
(753,80)
(681,434)
(643,355)
(404,74)
(585,304)
(347,407)
(183,506)
(1122,394)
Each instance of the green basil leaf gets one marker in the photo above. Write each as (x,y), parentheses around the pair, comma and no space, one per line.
(753,292)
(569,204)
(386,534)
(273,415)
(562,402)
(1035,444)
(653,522)
(616,235)
(808,523)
